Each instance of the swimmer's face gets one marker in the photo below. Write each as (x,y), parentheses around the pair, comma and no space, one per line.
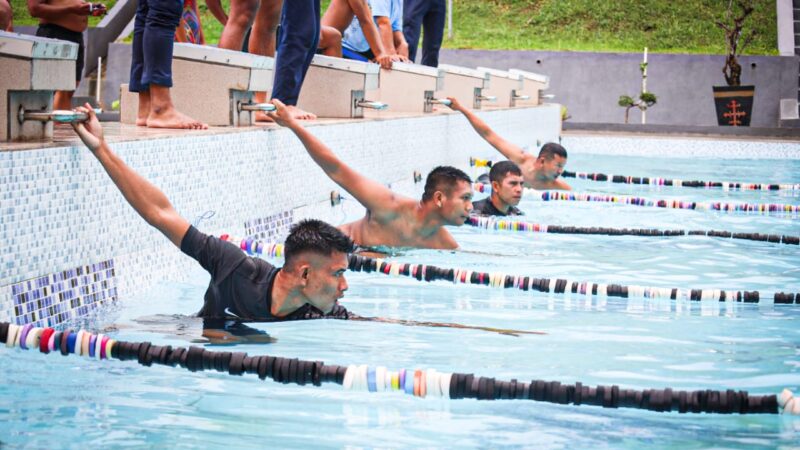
(551,168)
(456,207)
(325,281)
(509,189)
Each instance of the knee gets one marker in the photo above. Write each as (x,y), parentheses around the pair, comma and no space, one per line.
(244,11)
(330,37)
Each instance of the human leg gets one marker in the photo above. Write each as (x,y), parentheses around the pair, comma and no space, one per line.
(433,25)
(330,42)
(157,45)
(300,29)
(413,11)
(241,17)
(6,16)
(262,40)
(137,64)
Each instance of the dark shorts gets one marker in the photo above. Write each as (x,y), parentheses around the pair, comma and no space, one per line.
(52,31)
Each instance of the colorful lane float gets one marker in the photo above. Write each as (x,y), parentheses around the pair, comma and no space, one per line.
(421,383)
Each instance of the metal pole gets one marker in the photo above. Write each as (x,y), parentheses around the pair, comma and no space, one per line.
(449,19)
(644,85)
(99,79)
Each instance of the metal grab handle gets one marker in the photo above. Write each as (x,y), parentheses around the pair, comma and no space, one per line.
(371,105)
(266,107)
(522,97)
(440,101)
(488,98)
(59,115)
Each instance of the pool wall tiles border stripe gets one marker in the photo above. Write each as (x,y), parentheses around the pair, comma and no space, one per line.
(682,147)
(59,210)
(272,228)
(58,297)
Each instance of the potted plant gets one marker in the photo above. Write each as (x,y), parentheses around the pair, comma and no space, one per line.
(734,102)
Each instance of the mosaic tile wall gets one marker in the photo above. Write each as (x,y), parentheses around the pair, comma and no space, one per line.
(60,212)
(272,228)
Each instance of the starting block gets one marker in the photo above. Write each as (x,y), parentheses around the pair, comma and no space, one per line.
(33,69)
(409,88)
(336,88)
(532,85)
(505,86)
(212,85)
(466,85)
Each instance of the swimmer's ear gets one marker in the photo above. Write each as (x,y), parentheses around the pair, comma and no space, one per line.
(438,195)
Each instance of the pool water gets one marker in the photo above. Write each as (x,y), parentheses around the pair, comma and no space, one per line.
(52,401)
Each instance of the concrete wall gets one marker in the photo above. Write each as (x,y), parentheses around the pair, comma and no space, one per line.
(590,84)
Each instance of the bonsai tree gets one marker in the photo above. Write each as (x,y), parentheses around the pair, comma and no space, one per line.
(645,100)
(735,39)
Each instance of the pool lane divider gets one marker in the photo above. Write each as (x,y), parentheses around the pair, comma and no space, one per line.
(494,223)
(727,207)
(358,263)
(654,181)
(420,272)
(417,382)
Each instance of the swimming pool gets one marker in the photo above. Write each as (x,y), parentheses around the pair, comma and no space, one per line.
(630,342)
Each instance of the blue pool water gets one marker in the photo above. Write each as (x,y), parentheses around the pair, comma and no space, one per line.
(51,401)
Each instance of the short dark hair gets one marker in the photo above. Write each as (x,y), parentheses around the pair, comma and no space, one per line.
(551,149)
(443,178)
(501,169)
(315,236)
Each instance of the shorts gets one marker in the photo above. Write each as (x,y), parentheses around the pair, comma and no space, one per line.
(53,31)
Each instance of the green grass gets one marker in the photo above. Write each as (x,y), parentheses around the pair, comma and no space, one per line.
(664,26)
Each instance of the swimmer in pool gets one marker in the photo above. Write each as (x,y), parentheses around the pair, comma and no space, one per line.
(506,179)
(392,220)
(243,288)
(540,172)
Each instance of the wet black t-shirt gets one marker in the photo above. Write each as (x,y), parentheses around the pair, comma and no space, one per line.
(241,286)
(485,207)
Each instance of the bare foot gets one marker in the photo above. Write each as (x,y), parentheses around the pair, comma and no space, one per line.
(172,118)
(144,109)
(299,114)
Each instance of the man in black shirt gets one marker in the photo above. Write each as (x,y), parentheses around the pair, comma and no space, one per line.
(242,288)
(506,179)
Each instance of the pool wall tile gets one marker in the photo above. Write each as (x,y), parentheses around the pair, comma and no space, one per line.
(59,211)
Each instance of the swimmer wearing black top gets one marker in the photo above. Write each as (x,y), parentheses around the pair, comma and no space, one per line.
(506,179)
(244,288)
(308,286)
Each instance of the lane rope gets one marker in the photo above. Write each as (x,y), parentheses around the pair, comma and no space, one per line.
(420,383)
(500,280)
(655,181)
(728,207)
(495,223)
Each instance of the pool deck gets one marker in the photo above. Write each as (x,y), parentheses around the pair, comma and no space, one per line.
(676,131)
(64,136)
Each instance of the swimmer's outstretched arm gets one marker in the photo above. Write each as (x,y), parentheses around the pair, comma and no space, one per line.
(148,201)
(374,196)
(511,151)
(414,323)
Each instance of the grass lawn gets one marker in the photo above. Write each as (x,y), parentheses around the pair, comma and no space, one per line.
(685,26)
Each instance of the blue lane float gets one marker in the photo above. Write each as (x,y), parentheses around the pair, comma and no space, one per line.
(420,383)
